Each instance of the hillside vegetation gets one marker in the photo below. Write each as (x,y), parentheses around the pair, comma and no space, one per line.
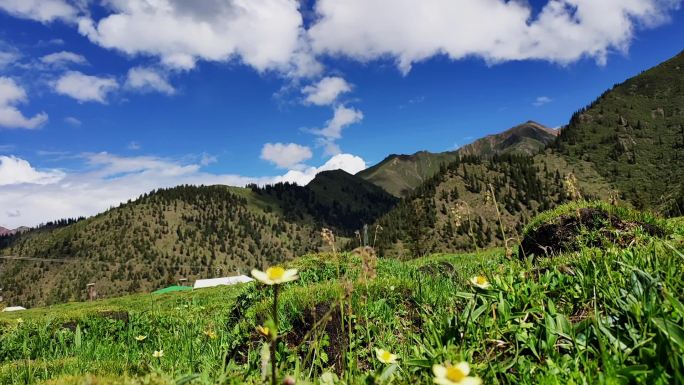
(185,232)
(529,138)
(633,135)
(400,175)
(476,203)
(597,315)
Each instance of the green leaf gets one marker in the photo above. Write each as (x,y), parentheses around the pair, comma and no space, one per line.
(676,304)
(77,337)
(614,341)
(634,371)
(673,331)
(187,379)
(388,372)
(419,363)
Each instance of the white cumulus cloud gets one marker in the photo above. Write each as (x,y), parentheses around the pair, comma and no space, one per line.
(342,117)
(496,30)
(265,34)
(347,162)
(285,155)
(109,179)
(14,170)
(40,10)
(12,94)
(326,91)
(148,80)
(85,88)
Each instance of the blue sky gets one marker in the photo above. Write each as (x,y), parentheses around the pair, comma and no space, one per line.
(101,101)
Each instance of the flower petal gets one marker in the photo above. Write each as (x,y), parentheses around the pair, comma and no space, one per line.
(289,275)
(439,370)
(471,381)
(443,381)
(463,367)
(261,277)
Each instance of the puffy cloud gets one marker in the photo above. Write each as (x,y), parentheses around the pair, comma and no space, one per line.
(12,94)
(62,58)
(347,162)
(342,117)
(18,171)
(415,30)
(285,155)
(43,11)
(85,88)
(266,34)
(326,91)
(541,100)
(109,179)
(148,80)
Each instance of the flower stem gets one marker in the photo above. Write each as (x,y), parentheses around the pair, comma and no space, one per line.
(274,337)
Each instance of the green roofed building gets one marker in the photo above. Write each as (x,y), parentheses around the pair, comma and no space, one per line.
(172,289)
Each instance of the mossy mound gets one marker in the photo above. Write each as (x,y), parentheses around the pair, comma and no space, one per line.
(587,224)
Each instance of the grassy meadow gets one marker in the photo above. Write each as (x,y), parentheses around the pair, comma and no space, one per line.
(612,314)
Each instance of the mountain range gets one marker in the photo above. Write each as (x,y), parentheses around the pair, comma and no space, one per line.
(5,231)
(478,196)
(401,174)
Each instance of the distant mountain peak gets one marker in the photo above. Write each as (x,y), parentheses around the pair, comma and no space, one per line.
(400,174)
(6,231)
(527,138)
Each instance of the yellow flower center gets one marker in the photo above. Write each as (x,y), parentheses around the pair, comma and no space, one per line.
(386,356)
(264,331)
(275,273)
(481,280)
(454,374)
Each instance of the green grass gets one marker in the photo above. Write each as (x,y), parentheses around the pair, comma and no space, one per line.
(622,212)
(609,316)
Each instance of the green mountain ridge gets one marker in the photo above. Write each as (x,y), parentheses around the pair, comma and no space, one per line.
(184,232)
(528,138)
(401,174)
(633,134)
(616,148)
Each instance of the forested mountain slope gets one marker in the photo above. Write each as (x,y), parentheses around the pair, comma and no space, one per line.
(183,232)
(634,136)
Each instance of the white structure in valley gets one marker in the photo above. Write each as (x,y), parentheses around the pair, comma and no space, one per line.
(213,282)
(14,308)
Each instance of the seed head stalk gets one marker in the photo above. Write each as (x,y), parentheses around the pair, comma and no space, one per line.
(501,226)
